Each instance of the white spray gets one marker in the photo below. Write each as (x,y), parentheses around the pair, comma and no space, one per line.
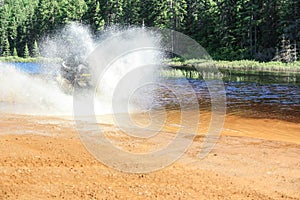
(24,93)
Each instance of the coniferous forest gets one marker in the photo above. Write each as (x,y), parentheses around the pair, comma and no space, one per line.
(228,29)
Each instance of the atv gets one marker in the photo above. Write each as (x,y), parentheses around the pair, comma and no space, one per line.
(74,76)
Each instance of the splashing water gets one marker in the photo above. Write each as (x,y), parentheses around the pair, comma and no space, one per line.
(74,38)
(27,94)
(21,92)
(125,76)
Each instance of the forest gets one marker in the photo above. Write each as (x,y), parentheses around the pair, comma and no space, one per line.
(261,30)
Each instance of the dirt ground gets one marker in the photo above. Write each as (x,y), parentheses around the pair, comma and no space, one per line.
(43,158)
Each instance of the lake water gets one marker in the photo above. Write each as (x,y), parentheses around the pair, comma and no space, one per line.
(263,100)
(32,68)
(263,95)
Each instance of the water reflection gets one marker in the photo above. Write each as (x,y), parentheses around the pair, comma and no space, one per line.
(235,76)
(262,96)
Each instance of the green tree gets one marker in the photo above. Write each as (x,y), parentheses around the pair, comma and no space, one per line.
(26,51)
(15,52)
(147,12)
(43,17)
(267,26)
(4,16)
(35,50)
(6,51)
(201,22)
(227,29)
(112,11)
(289,15)
(70,10)
(170,13)
(92,16)
(132,12)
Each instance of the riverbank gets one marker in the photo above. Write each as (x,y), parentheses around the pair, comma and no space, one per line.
(43,158)
(15,59)
(247,67)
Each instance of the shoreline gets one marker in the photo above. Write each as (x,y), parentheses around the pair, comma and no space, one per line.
(239,67)
(246,126)
(43,157)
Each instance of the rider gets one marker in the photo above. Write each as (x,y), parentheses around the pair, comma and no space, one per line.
(69,68)
(73,68)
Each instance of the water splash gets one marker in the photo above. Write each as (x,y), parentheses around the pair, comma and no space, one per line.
(129,68)
(36,94)
(23,93)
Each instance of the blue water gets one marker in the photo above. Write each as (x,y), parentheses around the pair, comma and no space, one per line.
(263,100)
(32,68)
(280,95)
(283,98)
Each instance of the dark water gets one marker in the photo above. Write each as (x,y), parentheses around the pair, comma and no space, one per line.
(264,95)
(239,76)
(273,100)
(261,95)
(283,95)
(262,77)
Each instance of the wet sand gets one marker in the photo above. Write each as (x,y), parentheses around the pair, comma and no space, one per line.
(43,158)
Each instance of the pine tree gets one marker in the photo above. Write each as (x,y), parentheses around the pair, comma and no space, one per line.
(3,27)
(6,51)
(201,22)
(239,29)
(147,12)
(26,51)
(287,52)
(289,14)
(112,11)
(42,17)
(132,12)
(70,10)
(92,16)
(170,13)
(294,51)
(15,53)
(97,18)
(35,50)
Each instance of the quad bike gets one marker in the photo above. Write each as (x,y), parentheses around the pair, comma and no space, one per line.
(74,76)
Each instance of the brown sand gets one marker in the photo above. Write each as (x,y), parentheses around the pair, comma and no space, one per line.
(43,158)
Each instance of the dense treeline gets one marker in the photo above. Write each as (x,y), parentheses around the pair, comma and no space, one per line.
(228,29)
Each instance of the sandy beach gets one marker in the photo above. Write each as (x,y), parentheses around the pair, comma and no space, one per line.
(43,158)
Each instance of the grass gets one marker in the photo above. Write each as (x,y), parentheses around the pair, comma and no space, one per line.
(238,67)
(27,60)
(241,66)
